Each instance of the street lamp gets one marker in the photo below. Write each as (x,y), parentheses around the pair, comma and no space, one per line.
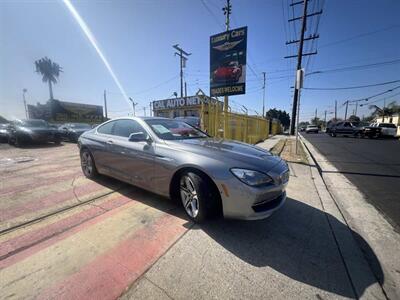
(23,97)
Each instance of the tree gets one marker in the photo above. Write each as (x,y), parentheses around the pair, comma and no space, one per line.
(50,72)
(391,109)
(281,115)
(318,122)
(354,118)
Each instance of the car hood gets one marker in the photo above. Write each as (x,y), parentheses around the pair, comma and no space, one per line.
(37,129)
(80,130)
(236,153)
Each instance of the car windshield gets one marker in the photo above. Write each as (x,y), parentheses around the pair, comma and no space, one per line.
(80,126)
(311,126)
(33,123)
(190,121)
(174,129)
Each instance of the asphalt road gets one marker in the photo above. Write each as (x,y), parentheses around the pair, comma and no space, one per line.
(372,165)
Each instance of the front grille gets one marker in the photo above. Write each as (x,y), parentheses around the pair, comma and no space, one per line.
(268,204)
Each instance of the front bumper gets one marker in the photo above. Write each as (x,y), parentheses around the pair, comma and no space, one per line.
(240,201)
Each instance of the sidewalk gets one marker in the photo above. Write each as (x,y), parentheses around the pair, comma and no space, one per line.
(379,236)
(304,251)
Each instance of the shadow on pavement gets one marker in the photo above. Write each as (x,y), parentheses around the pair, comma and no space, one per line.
(296,241)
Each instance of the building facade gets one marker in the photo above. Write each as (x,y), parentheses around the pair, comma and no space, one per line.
(62,112)
(181,107)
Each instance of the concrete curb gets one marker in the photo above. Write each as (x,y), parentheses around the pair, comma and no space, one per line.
(363,219)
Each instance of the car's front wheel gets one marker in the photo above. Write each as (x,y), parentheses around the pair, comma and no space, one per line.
(197,196)
(87,164)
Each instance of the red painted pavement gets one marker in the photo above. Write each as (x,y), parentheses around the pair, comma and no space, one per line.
(108,275)
(36,248)
(28,186)
(34,237)
(48,201)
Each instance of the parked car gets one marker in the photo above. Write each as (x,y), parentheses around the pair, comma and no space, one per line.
(302,129)
(32,131)
(312,128)
(194,121)
(229,71)
(386,129)
(4,132)
(72,131)
(346,128)
(208,175)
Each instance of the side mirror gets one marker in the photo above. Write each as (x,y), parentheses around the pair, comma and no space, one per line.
(139,137)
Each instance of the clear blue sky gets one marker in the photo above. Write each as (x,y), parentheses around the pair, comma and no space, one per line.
(137,38)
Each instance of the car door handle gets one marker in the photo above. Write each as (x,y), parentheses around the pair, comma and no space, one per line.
(110,142)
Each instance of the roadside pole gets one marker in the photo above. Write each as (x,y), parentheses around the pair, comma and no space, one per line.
(23,96)
(227,11)
(263,113)
(105,103)
(298,86)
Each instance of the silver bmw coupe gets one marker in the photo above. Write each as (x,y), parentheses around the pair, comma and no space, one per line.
(169,157)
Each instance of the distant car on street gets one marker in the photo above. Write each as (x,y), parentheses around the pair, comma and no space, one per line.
(72,131)
(32,131)
(346,128)
(386,129)
(302,128)
(4,132)
(194,121)
(312,129)
(208,175)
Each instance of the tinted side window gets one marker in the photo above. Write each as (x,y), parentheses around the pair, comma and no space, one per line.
(106,128)
(126,127)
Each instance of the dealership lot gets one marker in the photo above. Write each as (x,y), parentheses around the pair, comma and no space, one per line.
(63,236)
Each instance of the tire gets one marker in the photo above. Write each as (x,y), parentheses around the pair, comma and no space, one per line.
(17,142)
(198,197)
(333,134)
(57,141)
(88,165)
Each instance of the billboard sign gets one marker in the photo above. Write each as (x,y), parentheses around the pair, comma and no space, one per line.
(75,112)
(228,62)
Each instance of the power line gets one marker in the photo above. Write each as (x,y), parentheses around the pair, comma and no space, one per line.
(359,36)
(351,87)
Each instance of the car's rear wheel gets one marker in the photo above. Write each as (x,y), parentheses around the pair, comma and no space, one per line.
(197,195)
(87,164)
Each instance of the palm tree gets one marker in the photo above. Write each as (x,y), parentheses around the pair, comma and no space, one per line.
(50,72)
(387,110)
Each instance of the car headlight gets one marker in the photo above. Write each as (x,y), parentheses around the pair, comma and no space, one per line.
(251,177)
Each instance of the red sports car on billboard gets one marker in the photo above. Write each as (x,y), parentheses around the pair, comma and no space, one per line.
(230,71)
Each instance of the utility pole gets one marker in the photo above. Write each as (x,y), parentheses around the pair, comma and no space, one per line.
(345,113)
(316,113)
(183,58)
(150,109)
(185,90)
(335,110)
(263,95)
(23,96)
(105,103)
(133,106)
(227,12)
(325,119)
(300,55)
(144,110)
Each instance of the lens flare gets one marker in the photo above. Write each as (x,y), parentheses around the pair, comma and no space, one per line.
(94,43)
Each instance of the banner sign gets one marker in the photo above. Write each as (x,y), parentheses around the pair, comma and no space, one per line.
(179,102)
(75,112)
(228,62)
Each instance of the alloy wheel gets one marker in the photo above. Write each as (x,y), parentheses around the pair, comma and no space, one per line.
(189,196)
(87,163)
